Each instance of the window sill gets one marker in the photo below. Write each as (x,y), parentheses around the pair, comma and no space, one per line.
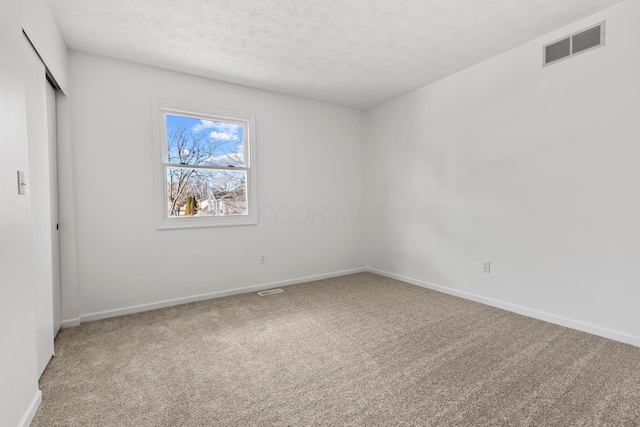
(201,222)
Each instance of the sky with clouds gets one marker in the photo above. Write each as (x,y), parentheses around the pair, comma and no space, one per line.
(227,138)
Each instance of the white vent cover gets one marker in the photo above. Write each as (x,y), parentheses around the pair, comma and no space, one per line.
(574,44)
(270,292)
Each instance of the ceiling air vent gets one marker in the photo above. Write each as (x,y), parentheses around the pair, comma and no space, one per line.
(579,42)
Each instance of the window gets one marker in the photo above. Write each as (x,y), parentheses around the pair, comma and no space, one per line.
(205,166)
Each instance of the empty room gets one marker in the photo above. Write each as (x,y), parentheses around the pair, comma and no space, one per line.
(292,213)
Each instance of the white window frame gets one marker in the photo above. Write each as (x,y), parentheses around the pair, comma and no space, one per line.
(160,109)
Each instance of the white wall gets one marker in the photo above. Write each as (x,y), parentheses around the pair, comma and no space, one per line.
(19,393)
(535,169)
(309,155)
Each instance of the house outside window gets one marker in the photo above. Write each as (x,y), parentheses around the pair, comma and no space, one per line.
(205,166)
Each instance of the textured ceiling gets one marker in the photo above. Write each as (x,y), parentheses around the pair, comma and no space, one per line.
(357,53)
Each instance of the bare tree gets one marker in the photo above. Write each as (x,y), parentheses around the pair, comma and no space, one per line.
(189,148)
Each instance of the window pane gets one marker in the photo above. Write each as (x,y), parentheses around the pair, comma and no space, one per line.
(193,141)
(202,192)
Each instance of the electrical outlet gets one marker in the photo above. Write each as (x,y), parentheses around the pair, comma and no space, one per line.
(263,258)
(486,267)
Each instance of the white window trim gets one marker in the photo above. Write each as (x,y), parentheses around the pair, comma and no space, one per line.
(159,110)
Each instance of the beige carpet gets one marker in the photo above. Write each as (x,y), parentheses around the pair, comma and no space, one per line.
(360,350)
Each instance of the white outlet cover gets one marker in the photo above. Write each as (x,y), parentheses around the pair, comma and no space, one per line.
(486,267)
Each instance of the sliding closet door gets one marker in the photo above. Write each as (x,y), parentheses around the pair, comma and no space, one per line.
(53,185)
(39,191)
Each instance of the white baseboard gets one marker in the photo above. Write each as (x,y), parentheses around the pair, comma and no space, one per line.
(31,410)
(70,323)
(185,300)
(547,317)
